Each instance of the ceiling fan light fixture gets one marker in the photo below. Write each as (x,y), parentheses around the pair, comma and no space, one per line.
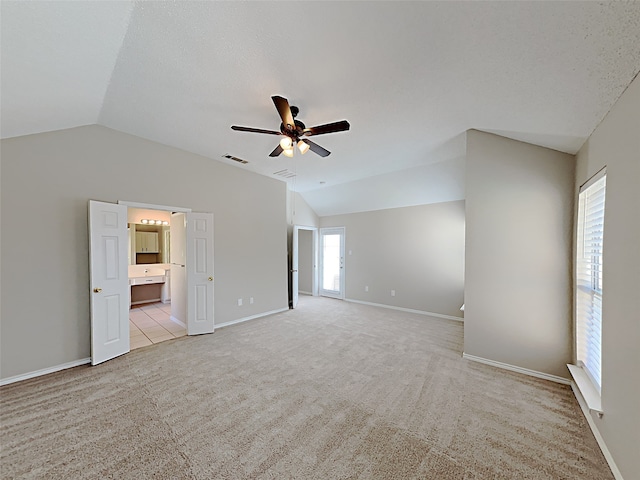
(303,147)
(286,143)
(291,130)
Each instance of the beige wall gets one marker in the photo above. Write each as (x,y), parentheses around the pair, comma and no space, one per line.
(47,180)
(616,145)
(519,212)
(416,251)
(300,213)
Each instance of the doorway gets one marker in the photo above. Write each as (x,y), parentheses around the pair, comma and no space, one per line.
(331,252)
(304,261)
(150,283)
(110,282)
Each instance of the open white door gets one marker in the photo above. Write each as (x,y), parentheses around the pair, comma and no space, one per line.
(199,273)
(108,281)
(294,266)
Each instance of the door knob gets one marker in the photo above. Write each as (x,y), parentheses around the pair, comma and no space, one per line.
(210,279)
(97,290)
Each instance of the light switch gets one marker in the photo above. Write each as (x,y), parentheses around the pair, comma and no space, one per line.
(239,302)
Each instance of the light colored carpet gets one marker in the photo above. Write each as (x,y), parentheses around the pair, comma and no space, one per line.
(331,390)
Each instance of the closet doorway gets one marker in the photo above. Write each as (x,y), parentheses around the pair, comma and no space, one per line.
(304,261)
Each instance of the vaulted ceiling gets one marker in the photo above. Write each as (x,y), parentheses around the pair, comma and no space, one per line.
(410,77)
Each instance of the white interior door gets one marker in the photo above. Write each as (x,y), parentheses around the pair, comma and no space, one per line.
(109,282)
(332,262)
(199,261)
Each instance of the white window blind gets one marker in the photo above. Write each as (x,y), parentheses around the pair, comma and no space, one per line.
(590,238)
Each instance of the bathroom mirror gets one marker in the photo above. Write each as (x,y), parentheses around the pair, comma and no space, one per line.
(148,244)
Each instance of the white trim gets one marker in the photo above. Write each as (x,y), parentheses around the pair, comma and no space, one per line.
(151,206)
(305,293)
(596,433)
(513,368)
(587,389)
(409,310)
(594,178)
(179,322)
(44,371)
(252,317)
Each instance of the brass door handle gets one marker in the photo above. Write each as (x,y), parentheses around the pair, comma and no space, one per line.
(210,279)
(97,290)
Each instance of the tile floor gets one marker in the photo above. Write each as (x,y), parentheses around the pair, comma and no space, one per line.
(150,323)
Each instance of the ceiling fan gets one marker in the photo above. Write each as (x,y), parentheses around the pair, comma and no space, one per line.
(293,131)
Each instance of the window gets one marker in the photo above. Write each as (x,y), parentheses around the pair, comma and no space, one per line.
(588,290)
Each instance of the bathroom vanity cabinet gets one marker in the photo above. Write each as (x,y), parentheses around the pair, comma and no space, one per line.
(147,242)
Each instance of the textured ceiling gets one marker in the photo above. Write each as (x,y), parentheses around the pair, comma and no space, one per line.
(410,77)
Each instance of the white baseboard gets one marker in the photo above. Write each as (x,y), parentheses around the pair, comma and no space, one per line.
(44,371)
(513,368)
(408,310)
(596,433)
(304,293)
(252,317)
(84,361)
(179,322)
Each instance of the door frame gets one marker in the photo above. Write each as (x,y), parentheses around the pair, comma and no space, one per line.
(332,230)
(295,263)
(152,206)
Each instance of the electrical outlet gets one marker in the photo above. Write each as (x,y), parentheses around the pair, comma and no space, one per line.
(250,300)
(366,288)
(239,302)
(393,293)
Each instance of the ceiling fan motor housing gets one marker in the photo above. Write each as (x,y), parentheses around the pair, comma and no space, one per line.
(298,129)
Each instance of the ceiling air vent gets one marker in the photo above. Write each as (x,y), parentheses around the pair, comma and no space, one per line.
(285,173)
(235,159)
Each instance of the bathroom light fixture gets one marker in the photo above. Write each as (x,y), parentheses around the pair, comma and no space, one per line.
(146,221)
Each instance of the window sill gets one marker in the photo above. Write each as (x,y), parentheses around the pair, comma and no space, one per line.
(587,390)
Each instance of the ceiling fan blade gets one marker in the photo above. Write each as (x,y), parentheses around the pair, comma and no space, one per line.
(315,148)
(276,151)
(282,105)
(340,126)
(254,130)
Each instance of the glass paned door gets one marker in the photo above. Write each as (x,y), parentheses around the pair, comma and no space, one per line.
(332,262)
